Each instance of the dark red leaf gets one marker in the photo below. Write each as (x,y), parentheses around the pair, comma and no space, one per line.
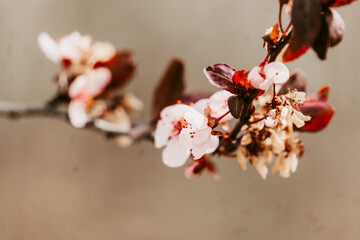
(122,67)
(296,81)
(322,42)
(220,75)
(170,88)
(306,18)
(295,49)
(236,105)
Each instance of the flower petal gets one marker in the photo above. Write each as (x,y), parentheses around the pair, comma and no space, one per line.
(78,86)
(162,133)
(70,46)
(277,72)
(195,138)
(77,112)
(49,47)
(174,154)
(201,105)
(98,81)
(213,144)
(196,119)
(257,80)
(218,104)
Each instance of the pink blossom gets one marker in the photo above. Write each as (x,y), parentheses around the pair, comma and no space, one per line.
(217,104)
(272,73)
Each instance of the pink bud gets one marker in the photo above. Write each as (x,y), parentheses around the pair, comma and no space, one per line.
(195,168)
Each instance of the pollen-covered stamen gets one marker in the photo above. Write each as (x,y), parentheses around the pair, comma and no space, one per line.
(240,79)
(177,128)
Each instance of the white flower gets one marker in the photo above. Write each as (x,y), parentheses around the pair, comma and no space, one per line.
(196,135)
(167,134)
(183,130)
(272,73)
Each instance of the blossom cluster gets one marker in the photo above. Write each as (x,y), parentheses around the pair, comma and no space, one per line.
(269,122)
(91,73)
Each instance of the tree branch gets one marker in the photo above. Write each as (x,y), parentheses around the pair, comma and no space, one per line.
(30,109)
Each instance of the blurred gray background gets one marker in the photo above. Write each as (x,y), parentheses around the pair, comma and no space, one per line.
(59,183)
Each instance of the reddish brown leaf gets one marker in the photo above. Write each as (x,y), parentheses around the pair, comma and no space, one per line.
(337,3)
(323,93)
(122,67)
(306,18)
(295,49)
(220,75)
(169,89)
(194,97)
(321,114)
(296,81)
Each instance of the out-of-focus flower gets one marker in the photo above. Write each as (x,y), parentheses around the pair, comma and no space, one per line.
(82,92)
(75,49)
(287,161)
